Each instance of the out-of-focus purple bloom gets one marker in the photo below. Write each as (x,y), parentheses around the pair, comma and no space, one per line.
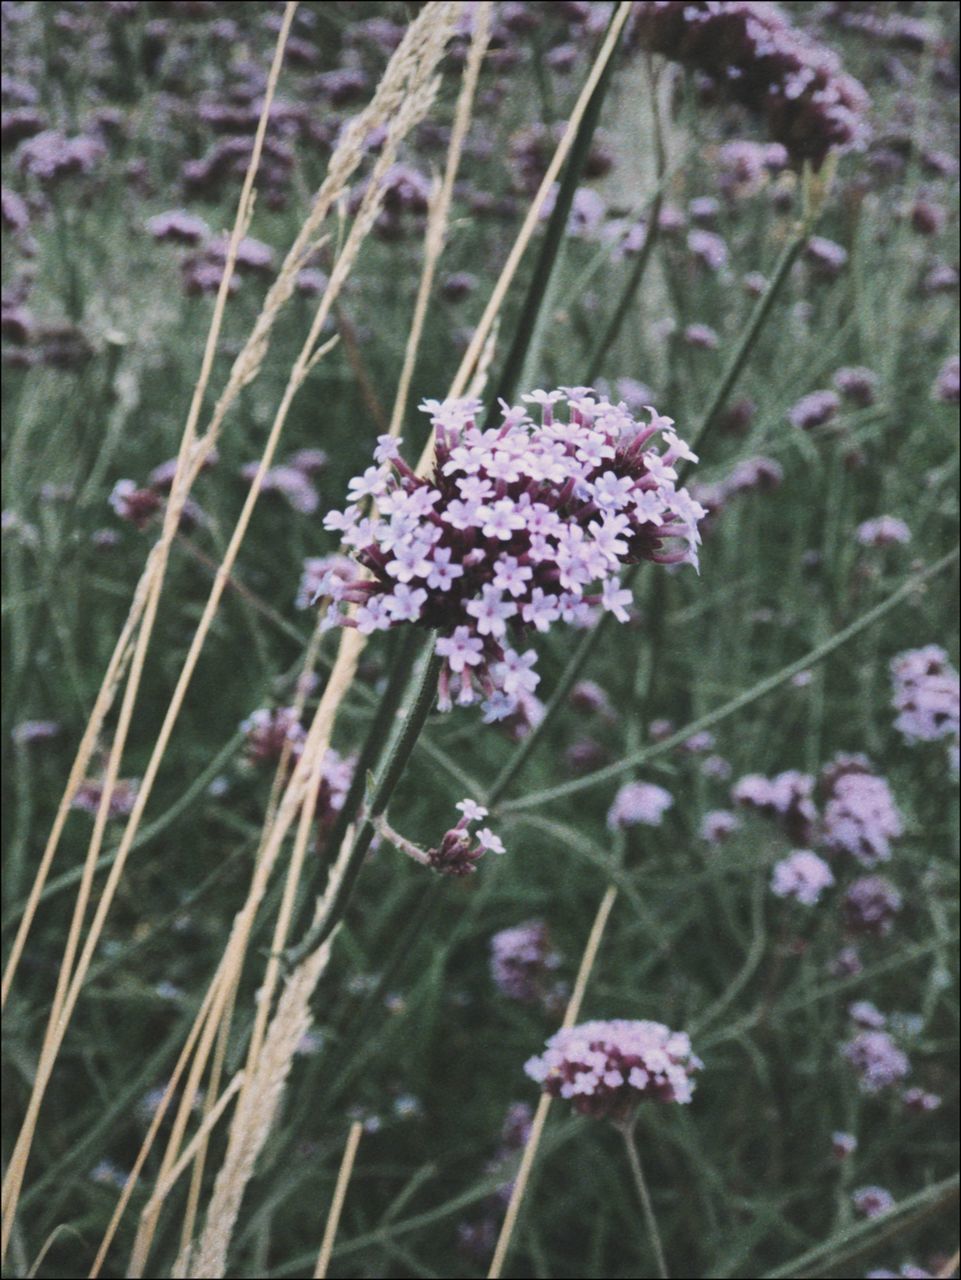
(877,1060)
(523,962)
(786,797)
(921,1101)
(872,1202)
(926,695)
(883,531)
(754,55)
(718,825)
(134,504)
(606,1068)
(860,815)
(803,876)
(178,226)
(269,730)
(814,410)
(870,905)
(857,384)
(947,385)
(708,248)
(30,731)
(122,798)
(51,156)
(826,258)
(863,1013)
(290,483)
(639,804)
(843,1144)
(701,336)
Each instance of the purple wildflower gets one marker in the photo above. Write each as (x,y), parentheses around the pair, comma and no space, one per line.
(860,816)
(802,876)
(639,803)
(872,1202)
(522,962)
(947,385)
(814,410)
(870,905)
(883,531)
(877,1060)
(926,695)
(515,529)
(607,1068)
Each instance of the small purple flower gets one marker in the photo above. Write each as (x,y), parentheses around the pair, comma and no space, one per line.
(29,731)
(607,1068)
(926,695)
(639,803)
(814,410)
(870,905)
(523,963)
(883,531)
(877,1060)
(718,825)
(872,1202)
(947,385)
(843,1144)
(802,876)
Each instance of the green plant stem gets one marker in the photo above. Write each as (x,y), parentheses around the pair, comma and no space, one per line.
(637,1173)
(377,735)
(739,357)
(381,792)
(538,290)
(741,700)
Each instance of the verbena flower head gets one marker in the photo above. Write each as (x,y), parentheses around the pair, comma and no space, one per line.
(870,906)
(606,1068)
(460,849)
(920,1100)
(926,694)
(523,962)
(517,528)
(843,1144)
(786,797)
(860,816)
(803,876)
(639,804)
(871,1202)
(122,798)
(717,825)
(877,1060)
(884,531)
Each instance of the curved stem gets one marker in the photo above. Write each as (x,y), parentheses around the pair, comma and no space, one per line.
(637,1173)
(383,788)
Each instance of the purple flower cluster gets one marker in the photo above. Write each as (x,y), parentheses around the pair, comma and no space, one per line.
(752,53)
(606,1068)
(926,695)
(872,1202)
(122,798)
(877,1060)
(639,804)
(803,876)
(516,529)
(947,385)
(860,815)
(870,906)
(883,531)
(814,410)
(460,849)
(522,963)
(788,798)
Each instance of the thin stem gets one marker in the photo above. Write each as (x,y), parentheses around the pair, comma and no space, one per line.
(739,357)
(634,1160)
(537,289)
(383,788)
(337,1204)
(741,700)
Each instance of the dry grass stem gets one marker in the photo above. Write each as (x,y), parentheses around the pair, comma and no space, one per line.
(337,1203)
(439,211)
(571,1015)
